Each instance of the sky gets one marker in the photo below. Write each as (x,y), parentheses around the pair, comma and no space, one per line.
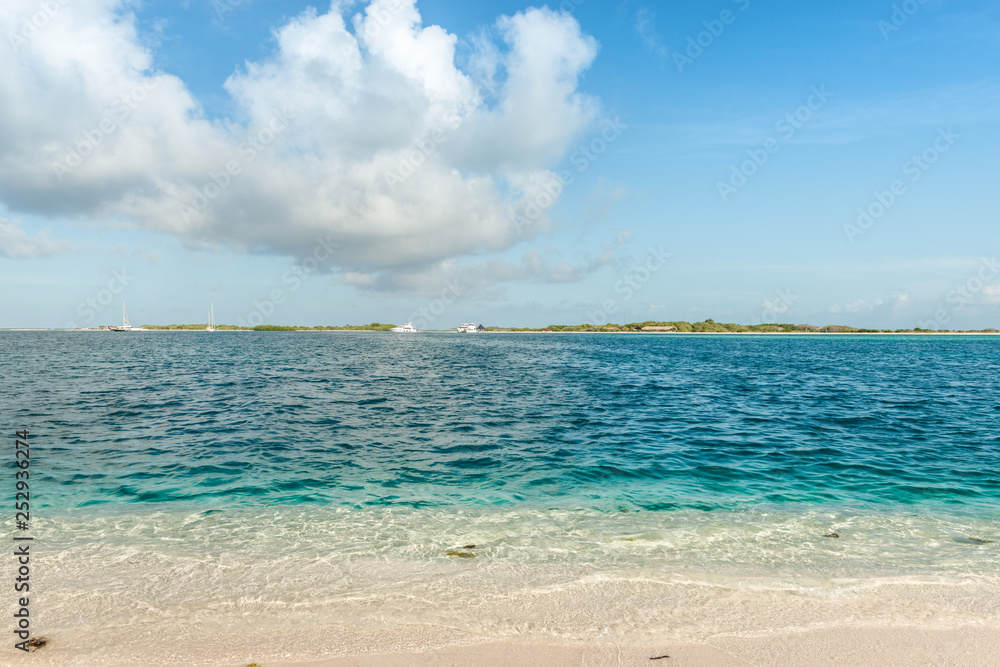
(500,162)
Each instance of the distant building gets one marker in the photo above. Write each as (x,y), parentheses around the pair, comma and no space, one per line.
(668,329)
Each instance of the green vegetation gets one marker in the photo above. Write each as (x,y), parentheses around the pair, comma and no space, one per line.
(706,326)
(193,327)
(374,326)
(711,326)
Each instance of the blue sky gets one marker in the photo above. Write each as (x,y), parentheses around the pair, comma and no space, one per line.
(744,161)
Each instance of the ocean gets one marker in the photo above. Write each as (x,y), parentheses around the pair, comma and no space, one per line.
(614,486)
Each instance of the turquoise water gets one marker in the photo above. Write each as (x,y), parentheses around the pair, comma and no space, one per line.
(615,485)
(608,422)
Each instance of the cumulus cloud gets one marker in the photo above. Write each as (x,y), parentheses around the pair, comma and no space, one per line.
(359,133)
(16,243)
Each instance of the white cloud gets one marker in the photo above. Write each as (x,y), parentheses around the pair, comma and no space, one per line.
(15,242)
(645,27)
(991,294)
(775,307)
(856,306)
(902,300)
(476,279)
(361,132)
(862,306)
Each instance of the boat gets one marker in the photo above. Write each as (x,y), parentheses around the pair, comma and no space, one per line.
(211,319)
(468,327)
(406,328)
(126,325)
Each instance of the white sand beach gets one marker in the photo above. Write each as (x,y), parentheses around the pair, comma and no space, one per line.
(416,646)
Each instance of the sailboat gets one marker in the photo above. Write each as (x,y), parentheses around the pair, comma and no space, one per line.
(211,319)
(126,325)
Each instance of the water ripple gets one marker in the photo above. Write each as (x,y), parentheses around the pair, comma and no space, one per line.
(673,422)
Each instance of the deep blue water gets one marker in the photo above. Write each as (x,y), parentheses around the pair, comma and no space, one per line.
(652,423)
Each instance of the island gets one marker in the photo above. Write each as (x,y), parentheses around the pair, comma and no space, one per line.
(708,326)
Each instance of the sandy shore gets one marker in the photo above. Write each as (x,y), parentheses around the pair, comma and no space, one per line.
(416,646)
(859,647)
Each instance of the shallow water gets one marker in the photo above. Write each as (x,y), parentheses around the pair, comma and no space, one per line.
(613,485)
